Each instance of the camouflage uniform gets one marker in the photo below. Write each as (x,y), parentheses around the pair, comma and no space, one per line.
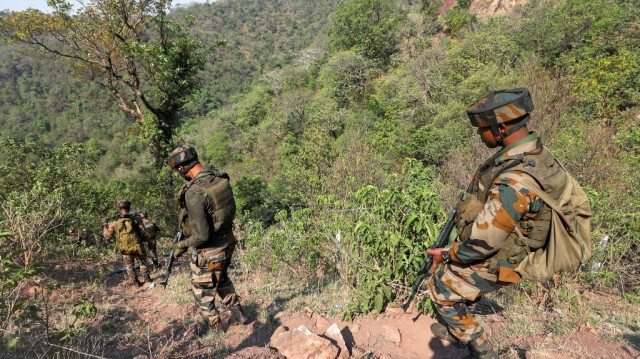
(129,257)
(213,242)
(151,227)
(499,222)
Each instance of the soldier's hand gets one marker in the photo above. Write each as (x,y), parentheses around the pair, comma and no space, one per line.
(180,248)
(437,258)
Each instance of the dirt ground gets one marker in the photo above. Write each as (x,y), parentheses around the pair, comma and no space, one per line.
(151,322)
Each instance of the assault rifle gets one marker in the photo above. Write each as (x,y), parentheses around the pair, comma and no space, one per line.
(441,241)
(121,270)
(165,280)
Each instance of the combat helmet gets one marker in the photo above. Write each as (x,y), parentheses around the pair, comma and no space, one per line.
(124,203)
(502,106)
(183,156)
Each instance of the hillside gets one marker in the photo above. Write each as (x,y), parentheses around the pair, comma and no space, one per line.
(342,126)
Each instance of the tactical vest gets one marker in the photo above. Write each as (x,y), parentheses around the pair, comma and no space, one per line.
(151,227)
(128,237)
(532,231)
(218,189)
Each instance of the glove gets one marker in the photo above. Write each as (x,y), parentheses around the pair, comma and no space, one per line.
(179,248)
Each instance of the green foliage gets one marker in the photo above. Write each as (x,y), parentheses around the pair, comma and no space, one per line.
(458,18)
(345,75)
(11,276)
(368,27)
(145,61)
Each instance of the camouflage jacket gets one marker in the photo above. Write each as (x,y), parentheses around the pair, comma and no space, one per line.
(501,207)
(151,227)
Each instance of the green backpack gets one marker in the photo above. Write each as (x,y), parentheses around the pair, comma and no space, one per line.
(569,242)
(128,236)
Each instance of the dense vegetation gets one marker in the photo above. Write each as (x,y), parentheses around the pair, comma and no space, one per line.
(346,146)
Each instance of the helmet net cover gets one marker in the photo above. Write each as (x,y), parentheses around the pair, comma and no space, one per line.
(183,155)
(500,107)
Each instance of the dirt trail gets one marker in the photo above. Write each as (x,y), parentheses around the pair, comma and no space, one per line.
(390,335)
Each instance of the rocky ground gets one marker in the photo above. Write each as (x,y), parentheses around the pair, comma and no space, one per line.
(288,322)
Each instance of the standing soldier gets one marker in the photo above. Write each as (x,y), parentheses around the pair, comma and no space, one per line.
(207,210)
(83,237)
(72,236)
(152,229)
(130,234)
(499,221)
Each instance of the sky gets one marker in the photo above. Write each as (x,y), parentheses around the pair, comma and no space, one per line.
(19,5)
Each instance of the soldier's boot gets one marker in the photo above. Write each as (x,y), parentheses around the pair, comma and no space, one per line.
(132,279)
(441,331)
(238,315)
(146,278)
(482,350)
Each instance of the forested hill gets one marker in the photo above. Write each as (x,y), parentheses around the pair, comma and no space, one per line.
(260,36)
(42,100)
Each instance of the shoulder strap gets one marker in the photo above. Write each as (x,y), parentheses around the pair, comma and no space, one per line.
(535,188)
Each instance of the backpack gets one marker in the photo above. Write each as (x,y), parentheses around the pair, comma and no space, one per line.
(569,243)
(128,236)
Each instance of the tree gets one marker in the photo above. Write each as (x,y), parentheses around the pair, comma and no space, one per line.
(369,27)
(148,63)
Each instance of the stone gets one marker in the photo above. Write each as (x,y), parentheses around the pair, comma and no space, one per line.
(302,343)
(281,329)
(321,322)
(141,356)
(391,334)
(394,312)
(333,333)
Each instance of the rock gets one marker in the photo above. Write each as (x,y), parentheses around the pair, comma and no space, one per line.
(321,322)
(141,356)
(333,333)
(281,329)
(391,334)
(302,343)
(394,312)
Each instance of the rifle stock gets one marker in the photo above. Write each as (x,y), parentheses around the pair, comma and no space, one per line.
(172,258)
(441,241)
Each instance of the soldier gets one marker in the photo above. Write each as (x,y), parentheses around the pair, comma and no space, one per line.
(72,236)
(499,220)
(130,234)
(83,237)
(207,210)
(152,229)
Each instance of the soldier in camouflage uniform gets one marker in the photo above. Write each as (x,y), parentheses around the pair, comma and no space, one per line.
(499,220)
(207,210)
(130,234)
(152,230)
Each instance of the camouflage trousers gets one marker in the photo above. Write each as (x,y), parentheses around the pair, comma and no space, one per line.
(454,286)
(152,251)
(209,277)
(129,263)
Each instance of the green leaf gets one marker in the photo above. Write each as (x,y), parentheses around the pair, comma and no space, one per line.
(378,302)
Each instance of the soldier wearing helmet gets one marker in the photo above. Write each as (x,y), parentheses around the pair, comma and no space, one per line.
(130,234)
(499,219)
(152,230)
(207,210)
